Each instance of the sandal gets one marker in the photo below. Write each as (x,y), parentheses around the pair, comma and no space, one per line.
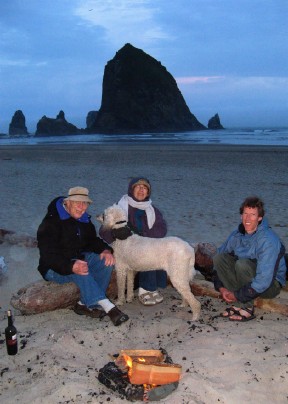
(147,299)
(229,312)
(242,317)
(116,316)
(157,296)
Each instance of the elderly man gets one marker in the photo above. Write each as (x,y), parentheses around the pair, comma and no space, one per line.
(70,251)
(250,263)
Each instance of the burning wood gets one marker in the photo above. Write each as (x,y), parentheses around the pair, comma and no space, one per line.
(157,374)
(146,375)
(147,367)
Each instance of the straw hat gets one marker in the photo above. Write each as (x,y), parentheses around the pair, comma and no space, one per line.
(78,194)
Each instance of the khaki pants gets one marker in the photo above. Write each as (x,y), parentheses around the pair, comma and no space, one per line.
(235,273)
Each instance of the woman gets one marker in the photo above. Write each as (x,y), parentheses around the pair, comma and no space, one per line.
(147,221)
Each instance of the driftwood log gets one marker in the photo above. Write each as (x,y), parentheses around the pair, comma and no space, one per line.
(44,296)
(16,238)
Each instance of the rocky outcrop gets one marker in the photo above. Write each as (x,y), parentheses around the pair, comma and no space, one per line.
(140,95)
(214,122)
(91,119)
(17,125)
(56,127)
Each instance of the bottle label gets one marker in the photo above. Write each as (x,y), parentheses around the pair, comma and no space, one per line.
(13,340)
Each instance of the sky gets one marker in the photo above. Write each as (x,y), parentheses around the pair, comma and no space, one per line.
(227,56)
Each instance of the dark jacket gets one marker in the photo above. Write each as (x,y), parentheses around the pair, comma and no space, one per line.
(137,219)
(63,239)
(158,230)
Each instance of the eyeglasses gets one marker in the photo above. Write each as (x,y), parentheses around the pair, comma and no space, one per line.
(80,203)
(141,187)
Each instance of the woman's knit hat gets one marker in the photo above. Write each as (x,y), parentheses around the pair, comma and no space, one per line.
(139,181)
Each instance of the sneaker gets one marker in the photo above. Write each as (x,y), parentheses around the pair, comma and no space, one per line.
(81,309)
(116,316)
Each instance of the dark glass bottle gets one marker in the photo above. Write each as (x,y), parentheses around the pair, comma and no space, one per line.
(11,336)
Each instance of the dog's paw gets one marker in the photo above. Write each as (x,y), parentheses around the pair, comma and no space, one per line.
(195,317)
(119,302)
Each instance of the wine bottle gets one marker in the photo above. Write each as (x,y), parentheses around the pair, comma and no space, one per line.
(11,336)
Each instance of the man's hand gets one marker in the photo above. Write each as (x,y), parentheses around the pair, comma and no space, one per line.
(80,267)
(227,295)
(108,257)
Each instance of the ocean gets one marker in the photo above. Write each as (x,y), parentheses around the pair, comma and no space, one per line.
(246,136)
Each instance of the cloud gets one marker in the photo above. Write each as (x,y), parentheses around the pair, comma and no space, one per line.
(263,82)
(198,79)
(16,63)
(5,62)
(123,21)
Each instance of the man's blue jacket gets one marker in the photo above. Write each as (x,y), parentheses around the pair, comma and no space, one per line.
(266,248)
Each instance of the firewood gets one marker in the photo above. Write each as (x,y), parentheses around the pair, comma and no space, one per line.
(160,373)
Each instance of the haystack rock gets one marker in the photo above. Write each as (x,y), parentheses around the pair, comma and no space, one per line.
(17,125)
(140,95)
(55,127)
(214,122)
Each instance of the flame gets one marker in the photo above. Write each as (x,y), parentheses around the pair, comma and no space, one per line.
(148,387)
(141,360)
(128,360)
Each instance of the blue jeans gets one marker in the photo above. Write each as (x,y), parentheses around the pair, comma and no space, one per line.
(92,286)
(152,280)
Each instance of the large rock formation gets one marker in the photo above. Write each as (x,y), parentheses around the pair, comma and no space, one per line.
(55,127)
(214,122)
(17,125)
(91,119)
(139,95)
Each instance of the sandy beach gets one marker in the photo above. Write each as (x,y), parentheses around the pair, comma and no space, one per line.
(199,189)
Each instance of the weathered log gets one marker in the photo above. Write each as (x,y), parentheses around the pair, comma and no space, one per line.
(204,253)
(270,305)
(17,238)
(44,296)
(200,290)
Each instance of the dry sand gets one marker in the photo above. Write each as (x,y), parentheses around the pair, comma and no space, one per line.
(199,190)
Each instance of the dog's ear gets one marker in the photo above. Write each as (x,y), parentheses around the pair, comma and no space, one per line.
(100,218)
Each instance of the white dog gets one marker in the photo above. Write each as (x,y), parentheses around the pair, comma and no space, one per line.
(136,253)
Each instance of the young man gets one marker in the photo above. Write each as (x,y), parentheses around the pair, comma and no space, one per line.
(70,251)
(250,263)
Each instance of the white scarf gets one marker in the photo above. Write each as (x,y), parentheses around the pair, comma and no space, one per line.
(126,200)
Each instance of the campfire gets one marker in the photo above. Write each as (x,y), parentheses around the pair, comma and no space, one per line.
(145,375)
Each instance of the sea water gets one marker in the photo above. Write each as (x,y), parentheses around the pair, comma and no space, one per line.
(246,136)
